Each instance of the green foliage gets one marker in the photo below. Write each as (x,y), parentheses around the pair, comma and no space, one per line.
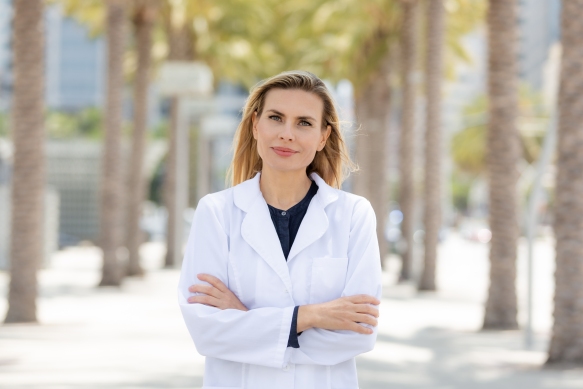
(245,41)
(160,131)
(156,184)
(83,124)
(4,125)
(461,184)
(463,16)
(90,13)
(468,147)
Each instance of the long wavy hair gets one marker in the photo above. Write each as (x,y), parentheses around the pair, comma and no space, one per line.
(332,163)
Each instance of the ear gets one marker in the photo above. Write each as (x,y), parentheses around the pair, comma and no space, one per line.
(254,124)
(325,136)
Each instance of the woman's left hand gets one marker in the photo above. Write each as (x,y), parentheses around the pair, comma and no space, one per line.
(216,294)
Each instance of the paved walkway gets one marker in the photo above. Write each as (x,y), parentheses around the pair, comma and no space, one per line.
(134,337)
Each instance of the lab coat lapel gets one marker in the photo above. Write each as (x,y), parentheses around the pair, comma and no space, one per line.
(257,228)
(315,222)
(313,226)
(258,231)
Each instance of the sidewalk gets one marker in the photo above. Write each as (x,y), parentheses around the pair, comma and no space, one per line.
(134,337)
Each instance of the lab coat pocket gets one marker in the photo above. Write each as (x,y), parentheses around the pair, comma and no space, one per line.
(328,279)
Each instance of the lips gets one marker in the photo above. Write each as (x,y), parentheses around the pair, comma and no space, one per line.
(284,151)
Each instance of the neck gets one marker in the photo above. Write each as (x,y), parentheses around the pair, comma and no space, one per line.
(283,190)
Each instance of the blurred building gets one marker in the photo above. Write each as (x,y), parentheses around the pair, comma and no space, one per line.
(75,79)
(217,119)
(5,53)
(75,64)
(539,28)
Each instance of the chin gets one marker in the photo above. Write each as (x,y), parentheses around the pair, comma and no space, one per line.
(284,168)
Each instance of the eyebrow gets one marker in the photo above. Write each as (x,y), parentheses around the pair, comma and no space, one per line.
(299,117)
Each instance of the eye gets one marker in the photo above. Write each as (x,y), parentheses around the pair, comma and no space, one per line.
(305,123)
(275,117)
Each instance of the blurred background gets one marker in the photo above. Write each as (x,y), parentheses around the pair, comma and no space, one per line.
(464,116)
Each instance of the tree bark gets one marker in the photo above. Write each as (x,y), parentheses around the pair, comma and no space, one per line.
(28,181)
(567,340)
(181,48)
(136,183)
(371,181)
(433,144)
(112,179)
(407,149)
(502,158)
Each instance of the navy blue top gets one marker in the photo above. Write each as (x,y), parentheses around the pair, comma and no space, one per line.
(287,223)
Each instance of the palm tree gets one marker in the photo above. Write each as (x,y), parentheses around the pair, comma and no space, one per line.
(567,340)
(365,31)
(502,157)
(178,17)
(406,155)
(372,104)
(26,242)
(370,65)
(432,187)
(112,179)
(144,13)
(181,42)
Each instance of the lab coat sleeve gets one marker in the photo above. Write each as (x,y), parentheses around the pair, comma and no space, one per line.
(258,336)
(330,347)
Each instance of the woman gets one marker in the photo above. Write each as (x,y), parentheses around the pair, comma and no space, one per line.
(281,277)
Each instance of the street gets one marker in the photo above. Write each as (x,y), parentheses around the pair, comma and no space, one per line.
(134,337)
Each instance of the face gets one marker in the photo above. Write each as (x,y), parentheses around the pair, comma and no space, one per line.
(290,129)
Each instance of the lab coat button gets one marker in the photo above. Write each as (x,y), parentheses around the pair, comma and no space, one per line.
(286,368)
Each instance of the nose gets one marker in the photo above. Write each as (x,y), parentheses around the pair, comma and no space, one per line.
(287,132)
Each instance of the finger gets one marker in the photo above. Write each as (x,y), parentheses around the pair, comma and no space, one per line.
(206,289)
(368,319)
(366,308)
(364,299)
(363,318)
(214,281)
(360,329)
(204,299)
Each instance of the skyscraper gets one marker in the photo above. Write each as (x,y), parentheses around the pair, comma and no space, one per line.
(74,61)
(539,28)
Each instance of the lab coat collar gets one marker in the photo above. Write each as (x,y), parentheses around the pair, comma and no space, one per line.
(257,227)
(247,192)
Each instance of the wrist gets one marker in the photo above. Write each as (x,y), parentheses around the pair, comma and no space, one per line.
(306,317)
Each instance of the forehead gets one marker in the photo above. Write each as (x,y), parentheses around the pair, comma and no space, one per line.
(294,103)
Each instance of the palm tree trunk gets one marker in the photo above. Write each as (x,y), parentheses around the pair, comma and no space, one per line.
(143,22)
(112,179)
(372,109)
(432,187)
(407,150)
(567,341)
(502,158)
(181,48)
(28,181)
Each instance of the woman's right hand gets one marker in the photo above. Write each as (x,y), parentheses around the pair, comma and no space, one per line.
(343,313)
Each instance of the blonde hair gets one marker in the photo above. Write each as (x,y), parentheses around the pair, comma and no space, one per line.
(332,163)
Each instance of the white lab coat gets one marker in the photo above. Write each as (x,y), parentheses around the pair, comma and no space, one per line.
(335,254)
